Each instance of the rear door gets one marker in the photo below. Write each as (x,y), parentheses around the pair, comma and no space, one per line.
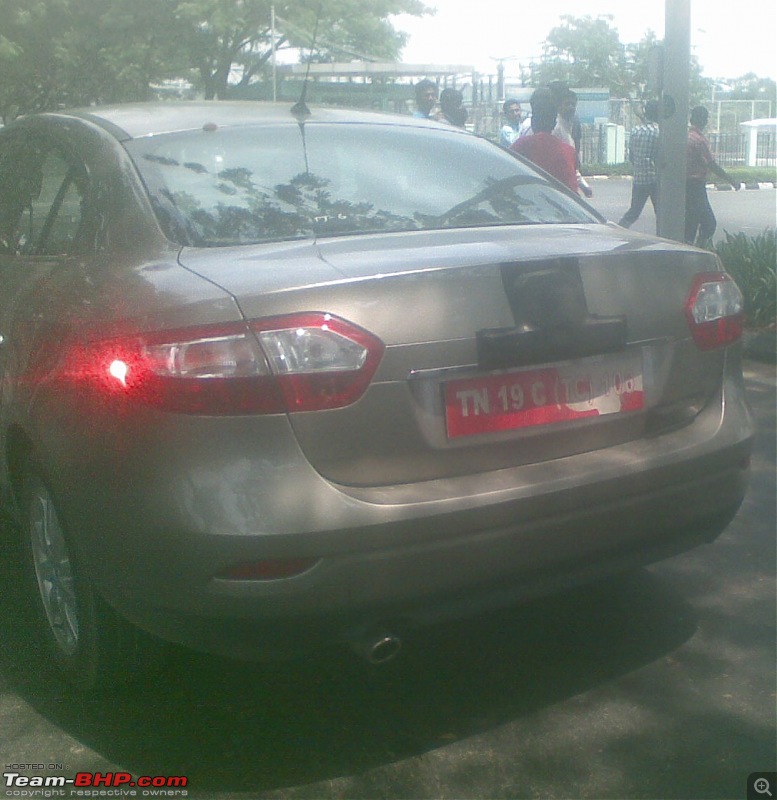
(41,218)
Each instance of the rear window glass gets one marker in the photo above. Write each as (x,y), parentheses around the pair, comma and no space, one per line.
(259,184)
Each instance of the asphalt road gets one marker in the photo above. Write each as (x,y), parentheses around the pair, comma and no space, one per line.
(660,684)
(748,210)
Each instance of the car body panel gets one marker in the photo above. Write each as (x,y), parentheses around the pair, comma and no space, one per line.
(403,518)
(395,433)
(208,501)
(138,120)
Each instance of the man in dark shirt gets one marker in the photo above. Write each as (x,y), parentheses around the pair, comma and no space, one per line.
(451,108)
(699,216)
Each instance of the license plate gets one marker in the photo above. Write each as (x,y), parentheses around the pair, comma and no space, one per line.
(590,387)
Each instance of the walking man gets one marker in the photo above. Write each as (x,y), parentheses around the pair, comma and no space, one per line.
(700,222)
(643,155)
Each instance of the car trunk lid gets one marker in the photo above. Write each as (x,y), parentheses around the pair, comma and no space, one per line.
(503,346)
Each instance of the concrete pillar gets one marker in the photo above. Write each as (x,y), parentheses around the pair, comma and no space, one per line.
(752,146)
(674,119)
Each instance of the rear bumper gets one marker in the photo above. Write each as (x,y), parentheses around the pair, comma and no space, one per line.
(160,520)
(415,585)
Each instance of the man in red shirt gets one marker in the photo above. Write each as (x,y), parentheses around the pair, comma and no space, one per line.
(699,217)
(557,158)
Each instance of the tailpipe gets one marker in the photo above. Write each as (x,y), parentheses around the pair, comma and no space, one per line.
(376,646)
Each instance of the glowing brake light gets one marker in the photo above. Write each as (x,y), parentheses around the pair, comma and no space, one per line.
(118,369)
(300,362)
(714,310)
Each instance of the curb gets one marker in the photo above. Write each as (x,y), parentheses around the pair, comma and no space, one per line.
(727,187)
(720,187)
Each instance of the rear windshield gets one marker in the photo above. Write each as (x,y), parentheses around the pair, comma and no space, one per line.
(259,184)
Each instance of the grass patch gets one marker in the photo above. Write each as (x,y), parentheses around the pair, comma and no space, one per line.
(753,174)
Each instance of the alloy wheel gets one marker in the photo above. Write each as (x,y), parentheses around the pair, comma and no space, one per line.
(53,570)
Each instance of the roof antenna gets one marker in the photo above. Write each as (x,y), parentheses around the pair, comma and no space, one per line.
(300,108)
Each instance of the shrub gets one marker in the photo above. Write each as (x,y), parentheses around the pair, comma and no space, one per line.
(752,174)
(752,263)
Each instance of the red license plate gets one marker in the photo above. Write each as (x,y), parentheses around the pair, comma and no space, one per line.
(529,398)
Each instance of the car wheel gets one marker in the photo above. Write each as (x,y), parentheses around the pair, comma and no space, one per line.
(89,644)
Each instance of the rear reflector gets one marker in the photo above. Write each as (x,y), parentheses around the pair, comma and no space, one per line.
(300,362)
(714,310)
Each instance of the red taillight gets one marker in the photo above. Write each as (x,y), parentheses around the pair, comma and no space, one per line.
(714,310)
(300,362)
(319,361)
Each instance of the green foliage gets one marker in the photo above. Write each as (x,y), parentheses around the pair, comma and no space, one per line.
(752,263)
(231,43)
(587,51)
(77,52)
(56,53)
(751,87)
(584,51)
(753,174)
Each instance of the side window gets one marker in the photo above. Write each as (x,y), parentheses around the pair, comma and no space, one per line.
(41,202)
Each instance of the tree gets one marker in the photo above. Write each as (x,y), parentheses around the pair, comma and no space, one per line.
(751,87)
(113,50)
(229,41)
(585,51)
(27,65)
(639,57)
(57,53)
(79,52)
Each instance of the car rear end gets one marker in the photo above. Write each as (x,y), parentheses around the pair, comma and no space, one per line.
(406,466)
(415,422)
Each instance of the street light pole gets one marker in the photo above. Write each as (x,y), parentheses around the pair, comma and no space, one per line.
(674,119)
(274,63)
(500,75)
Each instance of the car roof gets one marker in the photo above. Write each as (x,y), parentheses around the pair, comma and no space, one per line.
(134,120)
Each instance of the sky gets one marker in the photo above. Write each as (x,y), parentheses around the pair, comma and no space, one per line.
(729,37)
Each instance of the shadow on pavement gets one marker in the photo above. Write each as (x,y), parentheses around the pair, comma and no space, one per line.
(233,726)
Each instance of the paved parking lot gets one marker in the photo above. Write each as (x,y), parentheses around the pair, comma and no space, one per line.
(748,211)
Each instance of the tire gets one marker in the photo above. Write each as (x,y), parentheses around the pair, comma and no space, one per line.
(90,646)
